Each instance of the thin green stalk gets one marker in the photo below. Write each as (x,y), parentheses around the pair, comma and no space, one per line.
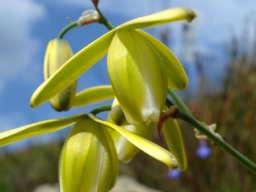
(178,101)
(101,109)
(216,139)
(67,28)
(73,24)
(103,19)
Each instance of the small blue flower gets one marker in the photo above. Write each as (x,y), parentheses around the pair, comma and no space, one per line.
(204,151)
(174,174)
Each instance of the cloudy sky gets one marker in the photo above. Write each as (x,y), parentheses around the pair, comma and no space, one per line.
(26,26)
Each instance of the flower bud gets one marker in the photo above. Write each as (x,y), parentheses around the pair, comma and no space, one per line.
(125,149)
(88,160)
(137,78)
(57,53)
(174,140)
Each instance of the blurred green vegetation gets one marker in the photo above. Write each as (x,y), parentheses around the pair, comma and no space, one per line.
(24,170)
(233,109)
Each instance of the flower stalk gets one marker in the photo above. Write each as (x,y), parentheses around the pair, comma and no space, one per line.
(103,19)
(183,115)
(67,28)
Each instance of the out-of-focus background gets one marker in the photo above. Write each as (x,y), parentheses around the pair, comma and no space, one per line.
(218,51)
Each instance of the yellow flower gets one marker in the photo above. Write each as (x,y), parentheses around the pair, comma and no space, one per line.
(145,66)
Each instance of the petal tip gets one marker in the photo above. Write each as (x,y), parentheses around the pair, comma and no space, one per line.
(34,100)
(191,16)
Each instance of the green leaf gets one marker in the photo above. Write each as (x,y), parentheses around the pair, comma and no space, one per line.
(36,129)
(143,144)
(93,95)
(72,69)
(173,138)
(177,78)
(159,18)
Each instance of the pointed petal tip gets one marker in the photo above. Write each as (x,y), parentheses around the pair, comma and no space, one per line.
(191,16)
(34,100)
(32,103)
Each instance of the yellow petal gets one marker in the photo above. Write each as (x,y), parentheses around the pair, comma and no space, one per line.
(125,149)
(72,69)
(136,76)
(143,144)
(36,129)
(173,138)
(93,95)
(159,18)
(177,78)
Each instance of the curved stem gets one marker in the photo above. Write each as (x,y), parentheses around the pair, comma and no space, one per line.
(216,139)
(67,28)
(74,24)
(101,109)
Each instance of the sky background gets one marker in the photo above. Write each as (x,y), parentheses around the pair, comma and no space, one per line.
(26,26)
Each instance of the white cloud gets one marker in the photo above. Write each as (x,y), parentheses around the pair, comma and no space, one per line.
(17,46)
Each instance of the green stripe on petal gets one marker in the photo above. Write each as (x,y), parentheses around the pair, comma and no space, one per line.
(93,95)
(72,69)
(36,129)
(159,18)
(177,78)
(173,138)
(143,144)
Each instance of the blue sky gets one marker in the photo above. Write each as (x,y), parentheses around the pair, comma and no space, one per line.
(26,26)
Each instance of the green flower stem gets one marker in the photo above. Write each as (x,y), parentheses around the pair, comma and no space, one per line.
(73,24)
(67,28)
(178,101)
(216,139)
(103,19)
(101,109)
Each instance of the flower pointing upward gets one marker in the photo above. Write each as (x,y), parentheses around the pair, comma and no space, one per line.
(140,67)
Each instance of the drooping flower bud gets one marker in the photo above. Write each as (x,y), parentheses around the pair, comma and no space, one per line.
(57,53)
(137,78)
(88,160)
(125,149)
(173,137)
